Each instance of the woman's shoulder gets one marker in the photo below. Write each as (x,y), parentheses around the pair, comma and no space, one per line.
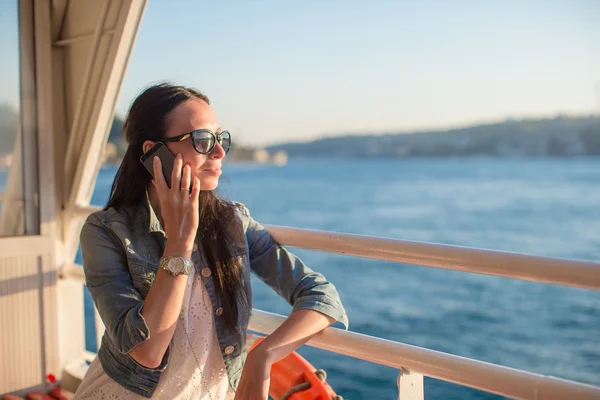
(240,213)
(236,206)
(96,229)
(107,216)
(114,223)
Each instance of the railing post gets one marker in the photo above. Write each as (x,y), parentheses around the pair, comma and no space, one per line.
(410,386)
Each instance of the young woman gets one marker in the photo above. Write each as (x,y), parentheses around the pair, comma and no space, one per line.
(169,269)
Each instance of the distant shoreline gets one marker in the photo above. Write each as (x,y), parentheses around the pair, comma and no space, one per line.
(424,158)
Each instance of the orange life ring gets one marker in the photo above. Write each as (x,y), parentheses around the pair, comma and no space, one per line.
(294,378)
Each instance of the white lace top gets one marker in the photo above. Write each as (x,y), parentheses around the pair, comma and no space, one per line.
(182,378)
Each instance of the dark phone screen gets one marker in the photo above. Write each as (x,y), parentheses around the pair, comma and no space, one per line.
(166,159)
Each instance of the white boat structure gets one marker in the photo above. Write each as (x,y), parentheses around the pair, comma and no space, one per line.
(73,57)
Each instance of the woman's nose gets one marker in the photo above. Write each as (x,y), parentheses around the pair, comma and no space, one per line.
(218,151)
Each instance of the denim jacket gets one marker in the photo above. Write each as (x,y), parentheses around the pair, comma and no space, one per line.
(121,250)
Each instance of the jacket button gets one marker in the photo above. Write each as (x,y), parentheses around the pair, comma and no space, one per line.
(228,350)
(206,272)
(219,311)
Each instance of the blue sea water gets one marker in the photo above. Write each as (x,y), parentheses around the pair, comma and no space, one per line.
(543,207)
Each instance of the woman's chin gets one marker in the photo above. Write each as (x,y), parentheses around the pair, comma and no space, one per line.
(209,183)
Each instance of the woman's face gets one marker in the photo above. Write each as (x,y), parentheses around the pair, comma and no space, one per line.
(187,117)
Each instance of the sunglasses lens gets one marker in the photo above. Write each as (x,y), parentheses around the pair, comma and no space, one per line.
(204,142)
(225,141)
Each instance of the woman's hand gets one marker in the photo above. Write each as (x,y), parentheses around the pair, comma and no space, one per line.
(255,380)
(179,206)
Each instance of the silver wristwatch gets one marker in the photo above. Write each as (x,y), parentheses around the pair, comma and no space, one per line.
(176,265)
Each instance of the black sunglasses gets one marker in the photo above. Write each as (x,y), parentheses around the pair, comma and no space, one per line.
(204,141)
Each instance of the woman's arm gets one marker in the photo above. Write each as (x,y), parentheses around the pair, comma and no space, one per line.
(179,206)
(140,327)
(315,301)
(288,276)
(143,328)
(161,310)
(296,330)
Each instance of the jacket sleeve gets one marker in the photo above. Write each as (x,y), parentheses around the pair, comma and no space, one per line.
(288,276)
(108,279)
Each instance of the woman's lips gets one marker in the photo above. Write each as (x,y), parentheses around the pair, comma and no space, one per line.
(213,171)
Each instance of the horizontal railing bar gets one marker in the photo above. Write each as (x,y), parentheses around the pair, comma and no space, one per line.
(447,367)
(576,273)
(89,356)
(82,211)
(72,272)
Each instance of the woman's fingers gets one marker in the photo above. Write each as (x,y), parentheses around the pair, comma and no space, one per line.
(176,174)
(186,178)
(179,204)
(195,192)
(159,178)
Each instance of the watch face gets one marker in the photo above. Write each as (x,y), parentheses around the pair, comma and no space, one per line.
(176,265)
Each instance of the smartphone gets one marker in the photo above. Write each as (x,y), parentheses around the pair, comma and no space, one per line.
(166,158)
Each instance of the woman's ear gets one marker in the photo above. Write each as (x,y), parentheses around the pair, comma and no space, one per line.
(147,145)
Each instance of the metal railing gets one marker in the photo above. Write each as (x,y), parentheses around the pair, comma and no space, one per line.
(576,273)
(415,362)
(480,375)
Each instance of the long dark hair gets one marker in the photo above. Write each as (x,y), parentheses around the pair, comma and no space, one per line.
(147,120)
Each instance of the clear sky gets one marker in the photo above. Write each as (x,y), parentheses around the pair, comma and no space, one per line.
(280,70)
